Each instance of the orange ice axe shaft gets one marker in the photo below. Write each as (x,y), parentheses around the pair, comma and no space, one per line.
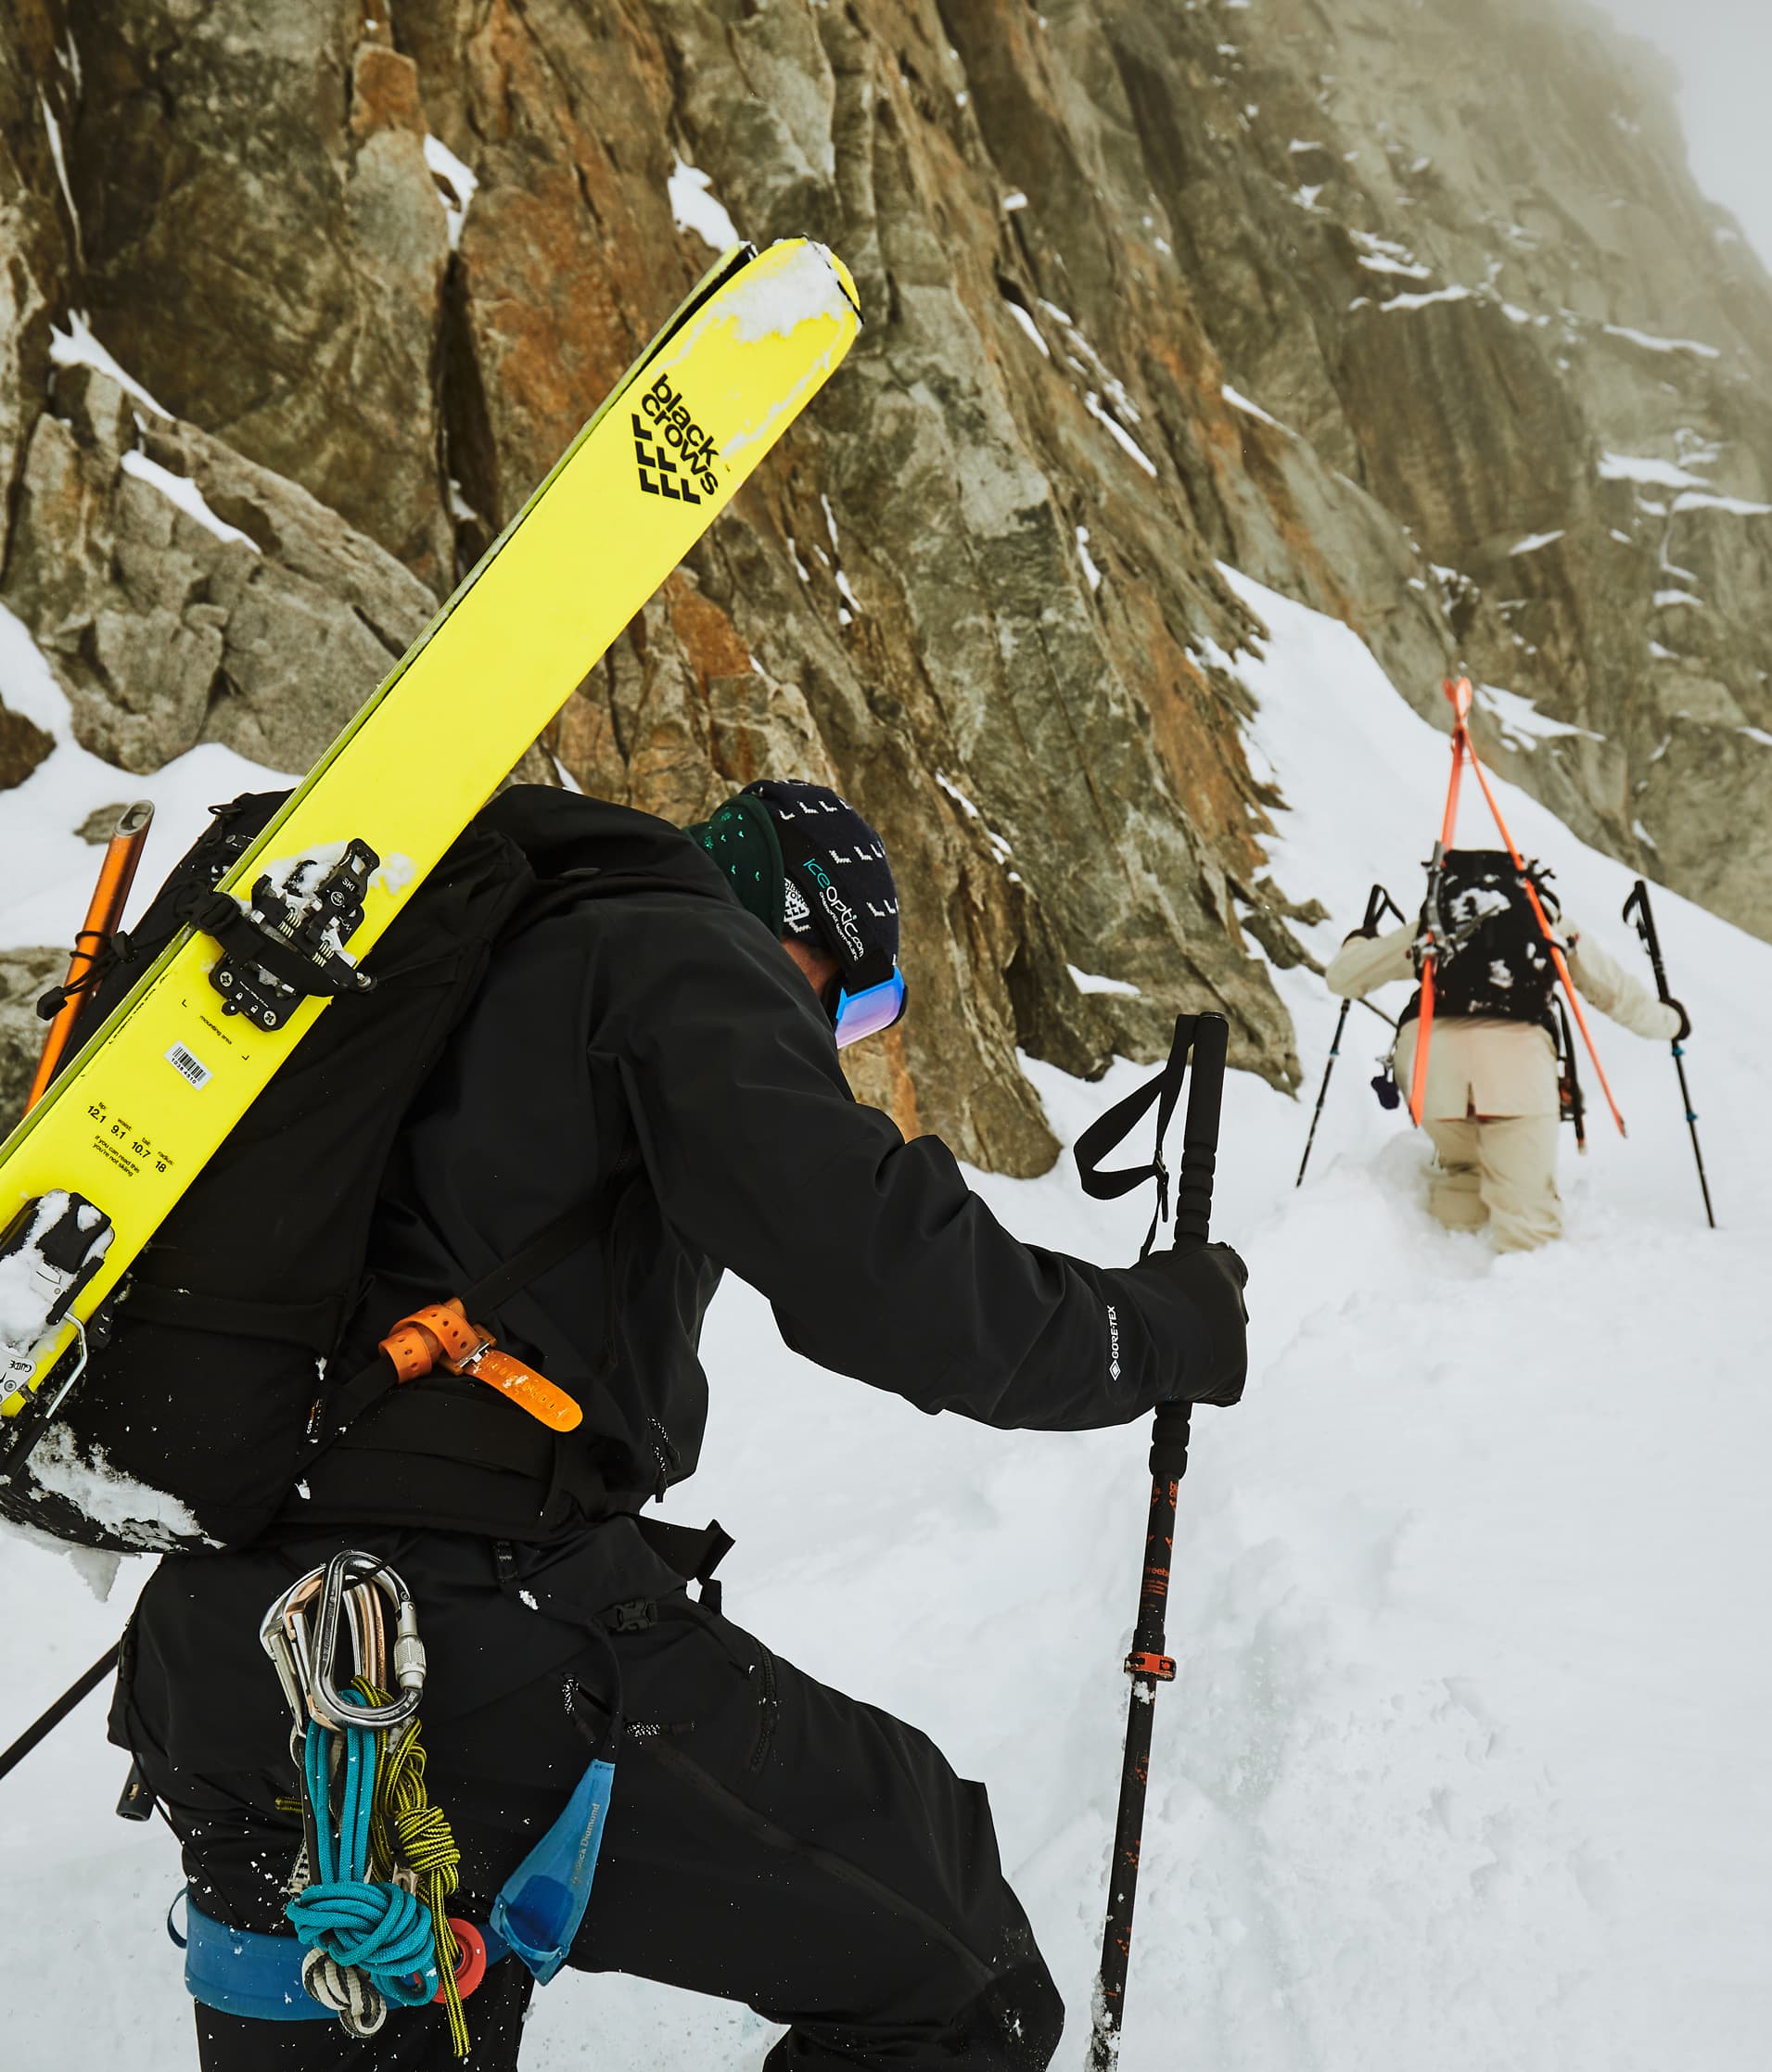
(116,875)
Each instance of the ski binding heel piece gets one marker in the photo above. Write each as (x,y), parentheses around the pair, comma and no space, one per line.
(48,1252)
(288,945)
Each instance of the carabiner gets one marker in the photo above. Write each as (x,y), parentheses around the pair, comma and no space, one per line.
(325,1699)
(304,1654)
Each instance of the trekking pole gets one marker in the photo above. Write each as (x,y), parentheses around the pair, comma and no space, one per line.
(59,1712)
(116,874)
(1377,900)
(1638,909)
(1571,1102)
(1147,1664)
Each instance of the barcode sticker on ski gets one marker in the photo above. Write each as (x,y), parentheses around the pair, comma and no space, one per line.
(194,1069)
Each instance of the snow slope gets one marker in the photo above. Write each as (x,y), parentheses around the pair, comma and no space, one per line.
(1462,1767)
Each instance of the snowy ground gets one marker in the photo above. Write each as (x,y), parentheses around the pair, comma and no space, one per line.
(1463,1767)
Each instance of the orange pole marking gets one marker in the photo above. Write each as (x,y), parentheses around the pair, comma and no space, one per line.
(116,875)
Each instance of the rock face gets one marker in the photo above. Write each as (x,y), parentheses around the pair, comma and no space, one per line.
(185,594)
(1147,287)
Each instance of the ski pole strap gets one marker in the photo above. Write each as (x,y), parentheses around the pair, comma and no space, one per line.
(1378,904)
(1108,1131)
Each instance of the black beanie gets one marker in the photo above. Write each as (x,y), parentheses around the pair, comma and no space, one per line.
(837,886)
(806,864)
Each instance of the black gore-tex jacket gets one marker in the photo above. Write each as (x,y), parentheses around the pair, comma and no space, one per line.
(655,1049)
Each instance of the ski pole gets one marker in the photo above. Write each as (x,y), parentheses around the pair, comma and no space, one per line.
(1571,1102)
(1147,1664)
(116,874)
(59,1712)
(1377,900)
(1638,909)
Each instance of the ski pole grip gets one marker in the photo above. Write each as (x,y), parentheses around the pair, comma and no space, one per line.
(1637,908)
(1169,1434)
(1200,1132)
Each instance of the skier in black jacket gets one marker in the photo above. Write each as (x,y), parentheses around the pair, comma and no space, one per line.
(660,1042)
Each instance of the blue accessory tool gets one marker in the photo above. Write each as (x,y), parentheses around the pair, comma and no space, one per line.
(541,1903)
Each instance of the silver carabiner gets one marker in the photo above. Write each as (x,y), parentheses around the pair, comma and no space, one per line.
(325,1699)
(304,1655)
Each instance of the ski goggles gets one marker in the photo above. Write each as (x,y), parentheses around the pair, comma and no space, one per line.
(869,1011)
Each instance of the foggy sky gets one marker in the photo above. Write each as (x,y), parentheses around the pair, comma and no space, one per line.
(1723,52)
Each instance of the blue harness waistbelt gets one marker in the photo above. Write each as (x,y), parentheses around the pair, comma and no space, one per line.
(238,1971)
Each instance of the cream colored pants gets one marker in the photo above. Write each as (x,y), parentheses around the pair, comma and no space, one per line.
(1502,1172)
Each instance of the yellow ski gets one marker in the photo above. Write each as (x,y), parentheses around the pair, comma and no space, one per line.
(129,1126)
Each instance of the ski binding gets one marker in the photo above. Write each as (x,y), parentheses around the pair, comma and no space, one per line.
(287,945)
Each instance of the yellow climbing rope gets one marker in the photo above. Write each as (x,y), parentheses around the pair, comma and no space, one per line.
(407,1827)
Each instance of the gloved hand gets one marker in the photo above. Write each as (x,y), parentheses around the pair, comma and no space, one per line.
(1212,1279)
(1685,1028)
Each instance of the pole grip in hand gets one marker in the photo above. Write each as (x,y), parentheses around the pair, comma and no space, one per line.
(1638,909)
(1169,1436)
(1200,1132)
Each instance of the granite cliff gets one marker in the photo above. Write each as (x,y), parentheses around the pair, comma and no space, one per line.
(1411,311)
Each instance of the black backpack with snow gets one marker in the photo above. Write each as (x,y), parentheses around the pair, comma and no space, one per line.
(209,1383)
(1498,963)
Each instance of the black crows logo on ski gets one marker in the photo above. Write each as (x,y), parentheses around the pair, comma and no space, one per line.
(670,425)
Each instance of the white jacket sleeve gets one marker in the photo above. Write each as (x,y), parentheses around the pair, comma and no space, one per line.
(1601,981)
(1366,962)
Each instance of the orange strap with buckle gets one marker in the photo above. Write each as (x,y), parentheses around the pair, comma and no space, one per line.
(440,1335)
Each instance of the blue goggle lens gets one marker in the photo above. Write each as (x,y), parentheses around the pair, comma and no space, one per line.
(865,1014)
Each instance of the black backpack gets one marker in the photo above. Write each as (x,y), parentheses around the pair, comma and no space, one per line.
(209,1385)
(1498,963)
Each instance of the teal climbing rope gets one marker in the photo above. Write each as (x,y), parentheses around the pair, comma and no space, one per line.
(380,1931)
